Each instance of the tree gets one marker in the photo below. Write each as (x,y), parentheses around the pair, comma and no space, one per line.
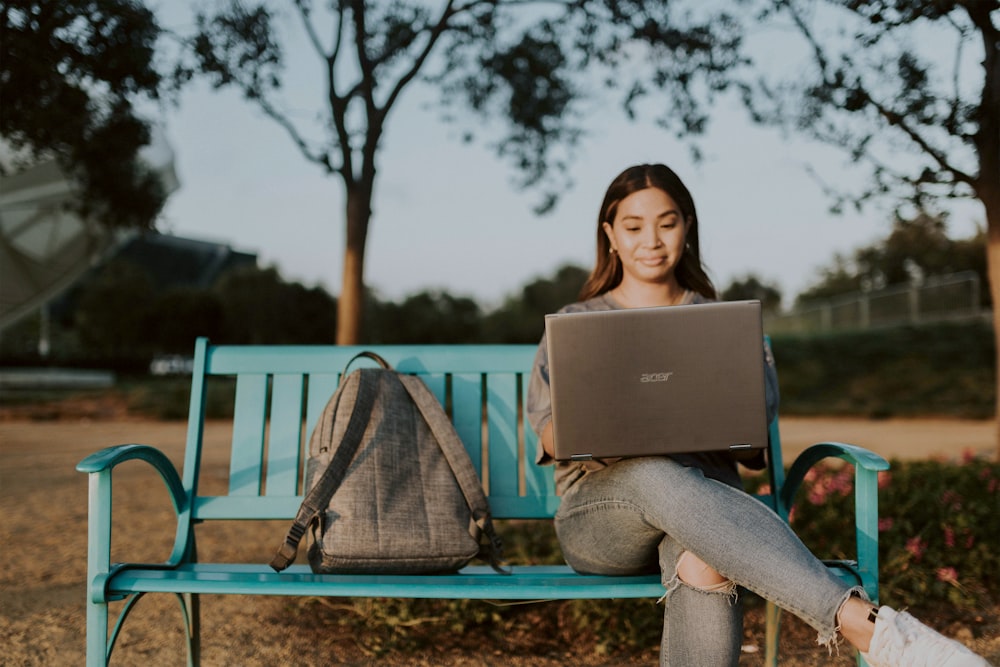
(527,63)
(179,315)
(751,287)
(260,308)
(873,92)
(113,312)
(915,249)
(428,317)
(521,319)
(71,73)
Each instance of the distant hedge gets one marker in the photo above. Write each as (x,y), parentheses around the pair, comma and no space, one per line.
(941,369)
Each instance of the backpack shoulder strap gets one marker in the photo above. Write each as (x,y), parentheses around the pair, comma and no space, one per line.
(332,477)
(461,465)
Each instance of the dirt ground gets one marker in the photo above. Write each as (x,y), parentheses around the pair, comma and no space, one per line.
(43,540)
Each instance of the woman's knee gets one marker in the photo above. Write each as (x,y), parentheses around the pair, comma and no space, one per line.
(696,573)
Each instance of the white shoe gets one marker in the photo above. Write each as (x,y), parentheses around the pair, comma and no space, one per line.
(902,641)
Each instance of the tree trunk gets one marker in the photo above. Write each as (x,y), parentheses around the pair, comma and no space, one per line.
(351,303)
(993,271)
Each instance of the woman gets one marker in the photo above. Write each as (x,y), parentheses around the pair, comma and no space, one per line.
(637,515)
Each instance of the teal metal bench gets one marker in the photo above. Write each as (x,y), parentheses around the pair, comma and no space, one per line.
(280,392)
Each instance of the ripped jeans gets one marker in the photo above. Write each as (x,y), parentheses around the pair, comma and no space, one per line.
(639,515)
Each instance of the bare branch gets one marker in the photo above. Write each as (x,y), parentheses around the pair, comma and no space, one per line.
(436,31)
(322,159)
(898,120)
(310,29)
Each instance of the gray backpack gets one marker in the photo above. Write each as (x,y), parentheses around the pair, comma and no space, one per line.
(391,488)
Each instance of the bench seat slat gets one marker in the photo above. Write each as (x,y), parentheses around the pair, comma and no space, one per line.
(480,582)
(528,582)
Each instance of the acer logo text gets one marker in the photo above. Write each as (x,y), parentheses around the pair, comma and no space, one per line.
(655,377)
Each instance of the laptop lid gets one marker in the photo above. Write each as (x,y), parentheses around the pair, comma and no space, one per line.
(652,381)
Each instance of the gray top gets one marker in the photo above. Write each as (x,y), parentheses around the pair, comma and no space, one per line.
(716,465)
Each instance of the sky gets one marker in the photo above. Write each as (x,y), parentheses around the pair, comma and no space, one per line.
(446,216)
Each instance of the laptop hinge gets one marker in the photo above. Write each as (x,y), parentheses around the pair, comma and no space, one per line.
(581,457)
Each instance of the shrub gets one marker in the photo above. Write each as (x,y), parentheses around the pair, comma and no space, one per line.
(939,528)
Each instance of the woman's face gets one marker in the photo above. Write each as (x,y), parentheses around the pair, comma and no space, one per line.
(648,233)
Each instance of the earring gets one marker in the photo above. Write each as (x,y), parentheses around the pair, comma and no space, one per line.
(611,251)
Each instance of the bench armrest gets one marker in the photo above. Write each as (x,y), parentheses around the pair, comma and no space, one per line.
(859,457)
(99,466)
(867,465)
(106,459)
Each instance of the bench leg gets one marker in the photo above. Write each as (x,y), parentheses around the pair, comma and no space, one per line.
(97,634)
(191,608)
(772,630)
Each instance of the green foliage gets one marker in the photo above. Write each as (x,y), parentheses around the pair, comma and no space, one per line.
(426,317)
(868,88)
(71,72)
(944,369)
(939,527)
(942,531)
(522,320)
(259,307)
(114,310)
(180,315)
(751,287)
(915,249)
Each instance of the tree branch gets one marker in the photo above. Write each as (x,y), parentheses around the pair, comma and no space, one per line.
(322,158)
(835,81)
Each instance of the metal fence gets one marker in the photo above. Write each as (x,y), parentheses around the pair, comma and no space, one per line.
(953,297)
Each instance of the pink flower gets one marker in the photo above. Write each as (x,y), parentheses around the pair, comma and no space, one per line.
(885,524)
(916,547)
(952,499)
(968,455)
(817,495)
(843,481)
(948,575)
(949,537)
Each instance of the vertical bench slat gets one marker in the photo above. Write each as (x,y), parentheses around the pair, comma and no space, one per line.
(249,418)
(501,412)
(321,388)
(538,480)
(284,442)
(467,414)
(438,384)
(196,423)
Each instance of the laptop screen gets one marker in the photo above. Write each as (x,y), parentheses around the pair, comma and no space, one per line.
(654,381)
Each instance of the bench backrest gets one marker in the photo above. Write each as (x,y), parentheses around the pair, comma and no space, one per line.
(280,392)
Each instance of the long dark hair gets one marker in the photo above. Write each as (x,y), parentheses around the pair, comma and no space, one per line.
(607,271)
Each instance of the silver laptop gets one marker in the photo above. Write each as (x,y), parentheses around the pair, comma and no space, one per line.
(651,381)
